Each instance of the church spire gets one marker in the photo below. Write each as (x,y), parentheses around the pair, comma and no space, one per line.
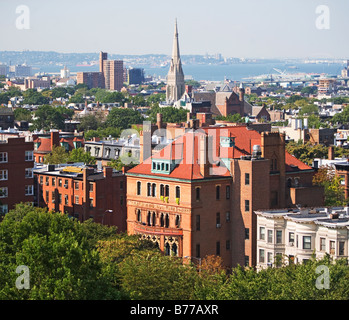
(175,77)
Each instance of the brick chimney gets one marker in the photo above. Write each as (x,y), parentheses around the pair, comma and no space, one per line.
(159,120)
(54,139)
(203,155)
(331,153)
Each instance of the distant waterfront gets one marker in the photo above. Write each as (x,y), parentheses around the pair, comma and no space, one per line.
(220,72)
(240,71)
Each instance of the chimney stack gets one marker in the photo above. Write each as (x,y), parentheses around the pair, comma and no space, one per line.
(331,153)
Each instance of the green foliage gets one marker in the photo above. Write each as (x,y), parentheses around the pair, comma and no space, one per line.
(342,117)
(33,97)
(89,122)
(306,152)
(79,155)
(63,265)
(48,117)
(105,96)
(169,114)
(193,83)
(103,133)
(309,90)
(123,118)
(58,155)
(231,118)
(22,114)
(309,109)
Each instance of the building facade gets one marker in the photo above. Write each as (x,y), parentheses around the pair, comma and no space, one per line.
(295,235)
(16,172)
(199,193)
(83,192)
(91,79)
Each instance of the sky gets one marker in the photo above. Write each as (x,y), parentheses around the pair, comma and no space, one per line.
(243,29)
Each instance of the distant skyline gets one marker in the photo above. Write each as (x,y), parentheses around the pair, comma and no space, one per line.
(243,29)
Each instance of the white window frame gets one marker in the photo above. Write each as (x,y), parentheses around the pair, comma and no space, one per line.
(29,190)
(3,175)
(31,171)
(3,157)
(29,155)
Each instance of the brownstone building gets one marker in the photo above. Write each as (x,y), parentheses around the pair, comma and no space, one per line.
(91,79)
(197,196)
(83,193)
(16,172)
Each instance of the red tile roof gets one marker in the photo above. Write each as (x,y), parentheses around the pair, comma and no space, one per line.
(185,150)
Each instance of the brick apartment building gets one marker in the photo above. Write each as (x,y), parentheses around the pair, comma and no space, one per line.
(91,79)
(16,172)
(191,207)
(83,192)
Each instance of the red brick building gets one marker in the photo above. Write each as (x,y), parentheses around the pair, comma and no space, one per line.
(84,192)
(16,172)
(197,196)
(44,143)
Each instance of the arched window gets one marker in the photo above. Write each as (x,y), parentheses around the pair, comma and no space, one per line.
(153,219)
(167,249)
(162,221)
(139,216)
(162,190)
(174,250)
(167,191)
(149,218)
(153,190)
(178,192)
(167,220)
(178,221)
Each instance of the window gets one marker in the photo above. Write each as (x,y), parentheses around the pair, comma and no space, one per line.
(29,156)
(139,215)
(306,242)
(247,261)
(3,156)
(227,216)
(53,195)
(66,199)
(197,193)
(197,251)
(3,208)
(153,190)
(167,220)
(41,180)
(247,205)
(247,233)
(53,182)
(197,222)
(270,236)
(162,220)
(332,247)
(227,192)
(162,190)
(218,220)
(291,238)
(270,257)
(59,182)
(148,189)
(322,244)
(29,190)
(261,255)
(59,198)
(76,199)
(178,192)
(149,218)
(3,192)
(76,185)
(278,236)
(167,191)
(139,188)
(341,248)
(261,233)
(247,179)
(218,248)
(3,174)
(47,196)
(121,185)
(227,245)
(218,192)
(47,181)
(178,221)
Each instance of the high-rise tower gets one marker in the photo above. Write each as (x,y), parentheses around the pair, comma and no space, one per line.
(175,77)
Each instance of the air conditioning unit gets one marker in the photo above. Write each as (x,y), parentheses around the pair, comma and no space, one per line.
(66,186)
(218,225)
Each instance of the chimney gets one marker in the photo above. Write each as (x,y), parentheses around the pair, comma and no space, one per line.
(203,155)
(54,139)
(107,172)
(331,153)
(188,116)
(159,120)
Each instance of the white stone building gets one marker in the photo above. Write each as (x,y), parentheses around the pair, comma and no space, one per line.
(295,235)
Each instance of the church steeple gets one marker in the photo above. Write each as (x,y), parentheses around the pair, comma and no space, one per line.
(175,77)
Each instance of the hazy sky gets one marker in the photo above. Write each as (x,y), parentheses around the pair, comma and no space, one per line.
(246,28)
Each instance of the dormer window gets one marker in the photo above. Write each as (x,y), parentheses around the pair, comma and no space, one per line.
(227,142)
(162,166)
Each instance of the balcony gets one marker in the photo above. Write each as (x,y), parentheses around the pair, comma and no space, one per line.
(158,230)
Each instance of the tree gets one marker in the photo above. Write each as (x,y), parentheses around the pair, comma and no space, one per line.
(79,155)
(89,122)
(33,97)
(123,118)
(334,192)
(236,117)
(48,117)
(58,155)
(169,114)
(22,114)
(62,264)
